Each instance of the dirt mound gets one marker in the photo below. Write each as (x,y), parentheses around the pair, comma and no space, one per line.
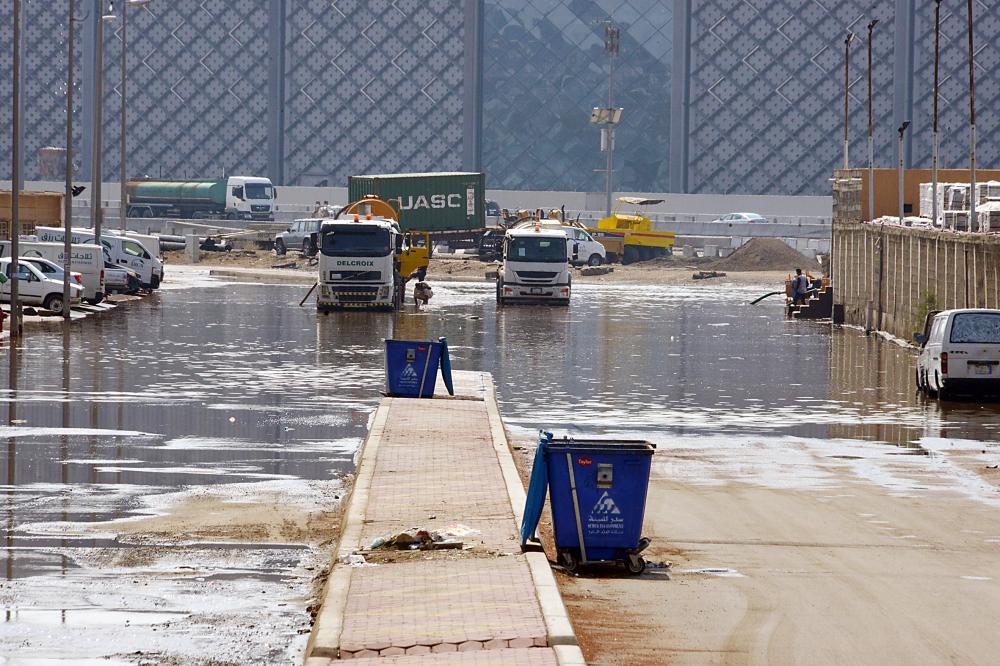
(764,254)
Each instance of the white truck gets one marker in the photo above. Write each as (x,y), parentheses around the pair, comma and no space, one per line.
(87,260)
(364,259)
(583,249)
(232,198)
(535,267)
(123,251)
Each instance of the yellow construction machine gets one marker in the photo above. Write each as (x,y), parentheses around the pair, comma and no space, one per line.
(630,237)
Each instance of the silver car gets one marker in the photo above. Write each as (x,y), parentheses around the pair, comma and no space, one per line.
(740,218)
(300,235)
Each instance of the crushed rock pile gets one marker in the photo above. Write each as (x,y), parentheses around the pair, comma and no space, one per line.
(764,254)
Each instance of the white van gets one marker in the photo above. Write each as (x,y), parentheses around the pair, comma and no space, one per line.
(122,250)
(87,260)
(583,249)
(34,288)
(960,353)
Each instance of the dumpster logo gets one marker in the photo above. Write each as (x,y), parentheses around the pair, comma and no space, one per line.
(605,506)
(408,373)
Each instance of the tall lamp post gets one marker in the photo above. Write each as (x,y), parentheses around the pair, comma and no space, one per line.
(899,168)
(68,196)
(609,116)
(847,87)
(96,158)
(934,133)
(123,205)
(15,193)
(871,135)
(972,127)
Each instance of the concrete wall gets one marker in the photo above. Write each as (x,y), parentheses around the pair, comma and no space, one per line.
(922,269)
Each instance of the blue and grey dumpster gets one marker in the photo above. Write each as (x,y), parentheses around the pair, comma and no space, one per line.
(598,497)
(411,367)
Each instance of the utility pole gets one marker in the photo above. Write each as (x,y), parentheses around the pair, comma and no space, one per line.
(124,77)
(899,169)
(611,42)
(934,135)
(972,127)
(871,135)
(68,196)
(96,158)
(847,87)
(15,193)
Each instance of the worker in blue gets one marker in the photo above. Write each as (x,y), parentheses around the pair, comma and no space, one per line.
(800,288)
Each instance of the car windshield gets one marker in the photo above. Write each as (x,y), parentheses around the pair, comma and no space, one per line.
(355,241)
(539,250)
(976,328)
(257,191)
(134,249)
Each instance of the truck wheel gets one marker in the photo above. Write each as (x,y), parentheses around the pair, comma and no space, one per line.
(53,303)
(612,257)
(279,247)
(595,260)
(230,216)
(631,254)
(308,249)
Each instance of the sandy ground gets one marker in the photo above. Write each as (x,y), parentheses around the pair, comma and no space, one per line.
(901,567)
(661,272)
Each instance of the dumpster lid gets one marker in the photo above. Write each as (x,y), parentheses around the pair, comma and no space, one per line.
(615,444)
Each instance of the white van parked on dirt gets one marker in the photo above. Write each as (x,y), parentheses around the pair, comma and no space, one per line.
(123,251)
(960,353)
(87,260)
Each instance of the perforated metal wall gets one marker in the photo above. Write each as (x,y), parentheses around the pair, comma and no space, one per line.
(373,87)
(545,68)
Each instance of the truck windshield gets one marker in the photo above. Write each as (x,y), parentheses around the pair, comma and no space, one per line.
(356,241)
(537,250)
(257,191)
(979,328)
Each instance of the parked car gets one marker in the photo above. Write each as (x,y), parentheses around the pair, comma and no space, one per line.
(52,269)
(740,218)
(960,353)
(35,288)
(300,235)
(121,280)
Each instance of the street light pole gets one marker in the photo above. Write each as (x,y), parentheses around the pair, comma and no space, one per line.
(972,126)
(611,46)
(899,168)
(847,87)
(871,135)
(934,134)
(96,158)
(15,193)
(68,196)
(124,78)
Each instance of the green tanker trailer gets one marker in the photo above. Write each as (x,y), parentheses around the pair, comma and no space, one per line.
(233,198)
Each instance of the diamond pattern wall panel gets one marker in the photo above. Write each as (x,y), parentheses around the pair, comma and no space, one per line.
(373,87)
(545,68)
(43,85)
(953,103)
(197,89)
(766,95)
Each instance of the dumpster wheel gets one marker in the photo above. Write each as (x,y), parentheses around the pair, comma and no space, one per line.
(635,564)
(571,562)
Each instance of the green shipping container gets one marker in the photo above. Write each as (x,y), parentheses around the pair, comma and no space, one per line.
(435,202)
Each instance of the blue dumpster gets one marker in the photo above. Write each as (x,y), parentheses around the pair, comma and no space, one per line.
(598,497)
(411,367)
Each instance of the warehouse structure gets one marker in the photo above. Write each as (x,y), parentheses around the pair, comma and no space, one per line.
(720,96)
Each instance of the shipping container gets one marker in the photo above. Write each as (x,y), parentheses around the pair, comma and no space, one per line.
(434,202)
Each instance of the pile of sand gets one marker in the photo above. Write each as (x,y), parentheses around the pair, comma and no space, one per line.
(764,254)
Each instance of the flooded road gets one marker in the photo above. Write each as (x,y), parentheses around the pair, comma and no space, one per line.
(172,470)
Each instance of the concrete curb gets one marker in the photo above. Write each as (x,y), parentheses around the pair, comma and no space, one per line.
(330,621)
(557,623)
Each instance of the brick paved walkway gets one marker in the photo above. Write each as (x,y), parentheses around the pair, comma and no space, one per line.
(430,464)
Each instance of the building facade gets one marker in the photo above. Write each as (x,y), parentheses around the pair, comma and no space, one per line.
(720,96)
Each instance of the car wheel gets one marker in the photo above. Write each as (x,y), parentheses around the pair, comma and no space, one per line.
(53,303)
(279,247)
(595,260)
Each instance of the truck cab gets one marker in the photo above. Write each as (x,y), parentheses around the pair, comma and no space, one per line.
(250,198)
(535,267)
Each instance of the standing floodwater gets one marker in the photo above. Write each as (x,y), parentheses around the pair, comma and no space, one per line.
(172,471)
